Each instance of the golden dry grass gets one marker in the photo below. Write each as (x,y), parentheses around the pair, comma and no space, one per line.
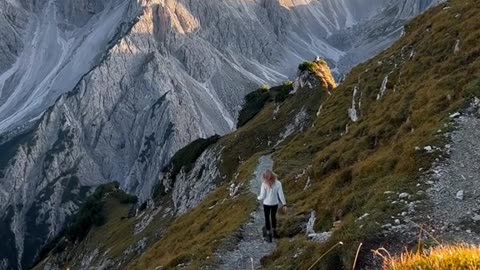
(457,257)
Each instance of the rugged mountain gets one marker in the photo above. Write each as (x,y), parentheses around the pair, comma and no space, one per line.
(360,163)
(144,79)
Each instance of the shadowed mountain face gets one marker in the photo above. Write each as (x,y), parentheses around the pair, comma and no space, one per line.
(144,79)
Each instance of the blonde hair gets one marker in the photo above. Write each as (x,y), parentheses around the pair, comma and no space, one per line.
(269,178)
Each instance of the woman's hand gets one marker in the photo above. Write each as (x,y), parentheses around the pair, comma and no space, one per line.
(284,210)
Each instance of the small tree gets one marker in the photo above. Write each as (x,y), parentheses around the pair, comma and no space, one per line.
(307,66)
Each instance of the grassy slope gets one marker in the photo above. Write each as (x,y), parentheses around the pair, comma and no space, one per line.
(350,173)
(112,238)
(194,237)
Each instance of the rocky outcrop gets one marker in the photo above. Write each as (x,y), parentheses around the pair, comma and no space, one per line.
(314,74)
(180,73)
(190,188)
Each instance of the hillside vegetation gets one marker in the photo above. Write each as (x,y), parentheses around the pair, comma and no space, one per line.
(350,171)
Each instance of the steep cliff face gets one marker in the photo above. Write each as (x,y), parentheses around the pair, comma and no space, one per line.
(180,73)
(50,45)
(14,21)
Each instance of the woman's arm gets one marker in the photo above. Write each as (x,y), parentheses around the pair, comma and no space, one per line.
(281,195)
(262,192)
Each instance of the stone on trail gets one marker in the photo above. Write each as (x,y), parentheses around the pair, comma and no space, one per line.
(460,195)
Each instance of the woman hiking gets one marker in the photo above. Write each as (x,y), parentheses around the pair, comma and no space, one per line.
(271,194)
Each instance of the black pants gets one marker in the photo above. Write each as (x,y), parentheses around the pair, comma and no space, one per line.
(270,216)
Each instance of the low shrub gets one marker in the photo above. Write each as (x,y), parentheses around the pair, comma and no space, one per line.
(283,91)
(89,215)
(307,66)
(92,213)
(185,158)
(125,198)
(254,103)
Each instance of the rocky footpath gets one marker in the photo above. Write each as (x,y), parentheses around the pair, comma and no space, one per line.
(446,205)
(454,182)
(251,246)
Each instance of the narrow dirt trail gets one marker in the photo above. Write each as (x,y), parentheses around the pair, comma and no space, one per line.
(455,183)
(252,247)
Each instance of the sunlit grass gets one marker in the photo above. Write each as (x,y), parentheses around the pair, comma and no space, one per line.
(458,257)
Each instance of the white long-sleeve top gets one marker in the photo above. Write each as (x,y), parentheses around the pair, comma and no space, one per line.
(272,195)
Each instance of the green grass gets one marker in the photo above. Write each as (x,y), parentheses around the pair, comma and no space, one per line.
(93,211)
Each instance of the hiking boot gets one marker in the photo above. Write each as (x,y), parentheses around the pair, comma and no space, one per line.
(275,234)
(269,237)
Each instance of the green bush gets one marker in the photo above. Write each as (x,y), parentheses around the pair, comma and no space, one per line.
(92,213)
(89,215)
(254,103)
(186,157)
(307,65)
(125,198)
(264,88)
(283,91)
